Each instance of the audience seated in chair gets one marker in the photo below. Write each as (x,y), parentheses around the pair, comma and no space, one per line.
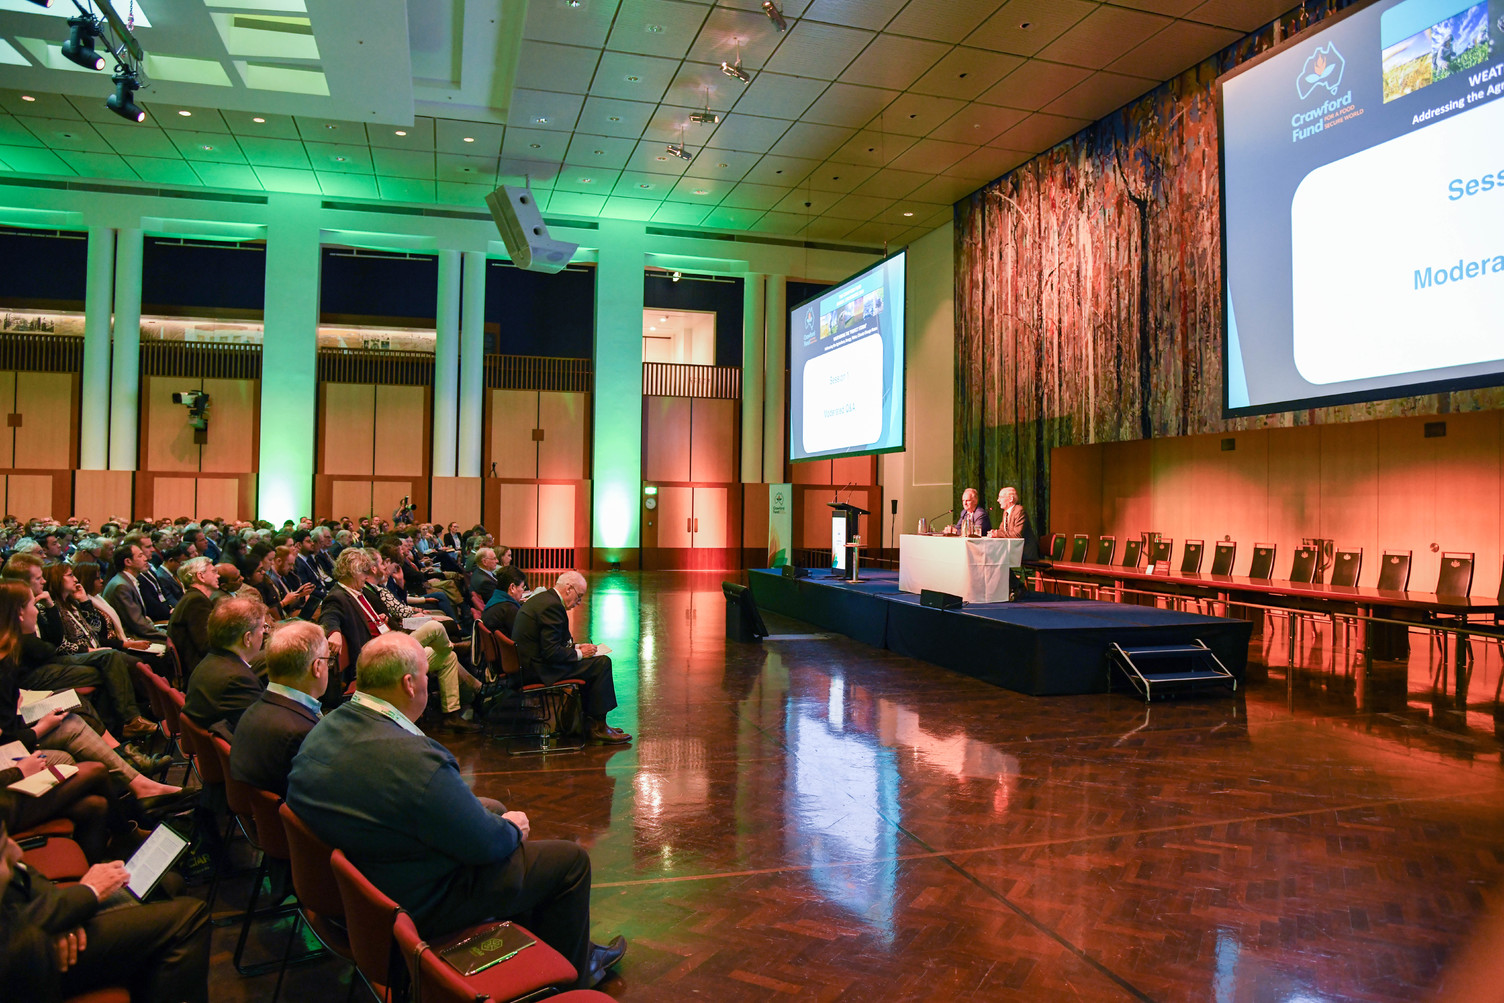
(272,729)
(224,684)
(189,626)
(548,654)
(346,615)
(501,609)
(124,593)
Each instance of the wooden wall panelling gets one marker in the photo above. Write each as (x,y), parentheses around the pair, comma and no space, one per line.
(1238,491)
(714,445)
(711,519)
(755,503)
(565,420)
(1126,484)
(234,426)
(167,446)
(28,495)
(1075,492)
(1407,499)
(173,496)
(98,494)
(456,499)
(7,406)
(863,470)
(514,415)
(676,506)
(666,438)
(1172,490)
(1350,491)
(516,523)
(811,472)
(401,426)
(350,498)
(1466,484)
(218,497)
(556,515)
(1293,491)
(46,438)
(348,431)
(387,495)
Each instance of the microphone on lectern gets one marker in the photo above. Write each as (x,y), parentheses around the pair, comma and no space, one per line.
(848,487)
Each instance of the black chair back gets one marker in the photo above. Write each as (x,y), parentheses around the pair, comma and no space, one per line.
(1394,573)
(1107,545)
(1346,567)
(1456,578)
(1078,547)
(1263,561)
(1303,567)
(1222,557)
(1131,550)
(1057,547)
(1160,550)
(1190,556)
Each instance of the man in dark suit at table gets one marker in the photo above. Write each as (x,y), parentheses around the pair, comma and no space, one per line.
(223,685)
(1016,523)
(974,520)
(272,729)
(548,654)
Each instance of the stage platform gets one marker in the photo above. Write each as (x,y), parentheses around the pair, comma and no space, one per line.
(1047,645)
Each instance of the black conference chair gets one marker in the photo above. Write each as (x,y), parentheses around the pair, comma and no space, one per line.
(1262,566)
(1222,557)
(1394,571)
(1347,565)
(1131,551)
(1190,556)
(1057,547)
(1078,548)
(1303,566)
(1106,547)
(1160,550)
(1454,579)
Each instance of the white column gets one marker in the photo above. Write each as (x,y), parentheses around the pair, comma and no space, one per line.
(753,378)
(775,398)
(289,359)
(446,366)
(94,402)
(617,436)
(472,352)
(125,381)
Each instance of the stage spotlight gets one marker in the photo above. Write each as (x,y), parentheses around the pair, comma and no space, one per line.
(122,102)
(775,15)
(676,276)
(678,150)
(80,45)
(704,118)
(735,70)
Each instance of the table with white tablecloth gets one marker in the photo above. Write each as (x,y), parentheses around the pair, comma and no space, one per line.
(975,568)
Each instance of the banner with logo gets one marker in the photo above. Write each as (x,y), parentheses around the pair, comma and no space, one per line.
(780,523)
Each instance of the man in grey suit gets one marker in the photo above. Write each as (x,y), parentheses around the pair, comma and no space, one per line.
(1015,523)
(124,594)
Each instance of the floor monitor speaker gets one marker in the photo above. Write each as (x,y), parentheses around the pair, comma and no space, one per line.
(939,600)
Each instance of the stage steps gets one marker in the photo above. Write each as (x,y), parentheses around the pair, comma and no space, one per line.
(1170,669)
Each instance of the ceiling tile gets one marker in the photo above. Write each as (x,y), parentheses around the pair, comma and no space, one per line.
(728,32)
(314,129)
(1174,8)
(617,207)
(837,177)
(780,222)
(14,133)
(282,153)
(810,203)
(874,14)
(859,207)
(644,184)
(807,139)
(917,114)
(828,228)
(877,233)
(458,194)
(873,148)
(670,124)
(726,217)
(1039,132)
(775,94)
(471,138)
(681,213)
(90,164)
(418,136)
(785,171)
(722,165)
(157,170)
(406,189)
(702,191)
(457,168)
(134,141)
(947,189)
(599,151)
(340,158)
(534,144)
(227,176)
(576,204)
(170,116)
(538,176)
(942,20)
(576,179)
(985,165)
(822,51)
(632,77)
(280,179)
(656,27)
(965,73)
(694,83)
(243,123)
(891,183)
(790,8)
(1103,35)
(1098,95)
(978,123)
(652,157)
(41,105)
(67,134)
(545,66)
(403,163)
(206,147)
(530,110)
(1179,47)
(551,21)
(849,105)
(750,196)
(749,133)
(614,117)
(348,186)
(911,212)
(1242,15)
(932,156)
(1034,85)
(894,61)
(1046,20)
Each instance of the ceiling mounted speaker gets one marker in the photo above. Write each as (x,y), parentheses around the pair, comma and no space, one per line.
(524,233)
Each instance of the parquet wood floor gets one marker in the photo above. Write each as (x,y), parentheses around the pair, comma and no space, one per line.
(816,819)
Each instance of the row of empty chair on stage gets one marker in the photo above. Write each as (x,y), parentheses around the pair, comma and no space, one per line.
(1309,563)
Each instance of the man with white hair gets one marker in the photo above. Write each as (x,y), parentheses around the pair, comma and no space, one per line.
(549,654)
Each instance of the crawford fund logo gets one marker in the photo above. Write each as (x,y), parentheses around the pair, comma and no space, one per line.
(1323,69)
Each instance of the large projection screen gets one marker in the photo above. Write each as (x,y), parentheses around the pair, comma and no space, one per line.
(1363,209)
(846,366)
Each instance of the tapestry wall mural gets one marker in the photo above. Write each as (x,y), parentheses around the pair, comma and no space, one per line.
(1088,294)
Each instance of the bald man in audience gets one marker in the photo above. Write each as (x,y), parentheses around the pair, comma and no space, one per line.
(224,684)
(549,654)
(367,781)
(272,729)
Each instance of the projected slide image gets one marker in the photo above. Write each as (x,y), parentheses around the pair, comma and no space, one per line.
(843,396)
(1458,41)
(810,327)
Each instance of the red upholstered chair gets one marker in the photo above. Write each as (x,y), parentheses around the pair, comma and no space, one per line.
(167,704)
(114,994)
(57,859)
(546,709)
(212,774)
(319,902)
(368,918)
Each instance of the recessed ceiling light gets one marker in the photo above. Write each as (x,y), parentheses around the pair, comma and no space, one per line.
(27,97)
(701,191)
(653,29)
(660,158)
(471,139)
(340,160)
(663,319)
(599,153)
(259,120)
(644,185)
(723,165)
(908,214)
(587,181)
(613,118)
(1026,25)
(633,78)
(185,113)
(573,3)
(534,146)
(206,147)
(401,132)
(330,125)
